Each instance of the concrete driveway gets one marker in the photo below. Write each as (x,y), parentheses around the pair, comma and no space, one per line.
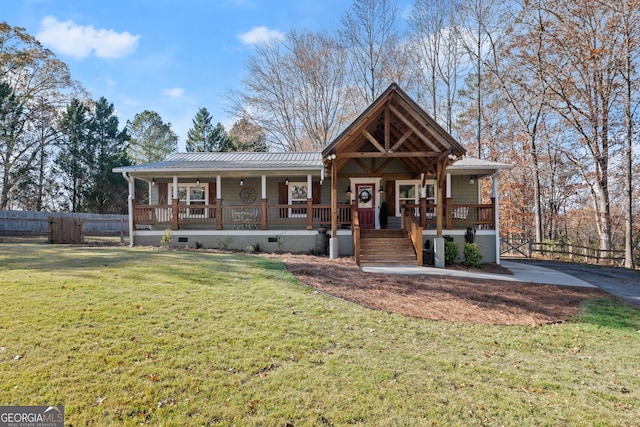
(620,282)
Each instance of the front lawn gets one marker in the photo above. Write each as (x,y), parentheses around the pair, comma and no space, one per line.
(125,336)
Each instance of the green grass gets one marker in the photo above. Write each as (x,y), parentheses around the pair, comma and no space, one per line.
(125,336)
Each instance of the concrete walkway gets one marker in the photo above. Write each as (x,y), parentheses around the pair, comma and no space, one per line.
(522,272)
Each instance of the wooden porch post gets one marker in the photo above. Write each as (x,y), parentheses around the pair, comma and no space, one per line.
(175,203)
(263,214)
(309,214)
(218,214)
(423,210)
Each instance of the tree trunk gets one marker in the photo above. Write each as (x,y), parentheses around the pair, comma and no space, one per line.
(628,155)
(4,196)
(41,179)
(536,187)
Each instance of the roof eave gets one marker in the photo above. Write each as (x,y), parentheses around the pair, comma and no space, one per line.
(130,169)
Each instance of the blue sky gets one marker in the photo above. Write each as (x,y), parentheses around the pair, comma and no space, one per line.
(168,56)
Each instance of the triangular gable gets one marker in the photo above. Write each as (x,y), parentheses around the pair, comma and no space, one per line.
(394,126)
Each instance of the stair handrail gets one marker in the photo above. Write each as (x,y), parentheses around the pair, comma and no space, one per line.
(411,226)
(355,232)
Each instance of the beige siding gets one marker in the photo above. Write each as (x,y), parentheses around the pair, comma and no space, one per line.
(462,191)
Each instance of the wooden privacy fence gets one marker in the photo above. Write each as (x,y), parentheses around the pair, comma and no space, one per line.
(30,223)
(527,248)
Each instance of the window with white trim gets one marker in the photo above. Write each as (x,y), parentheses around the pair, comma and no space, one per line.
(408,193)
(191,194)
(298,192)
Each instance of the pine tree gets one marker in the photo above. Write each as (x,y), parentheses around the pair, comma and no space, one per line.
(151,140)
(105,192)
(204,137)
(198,135)
(72,155)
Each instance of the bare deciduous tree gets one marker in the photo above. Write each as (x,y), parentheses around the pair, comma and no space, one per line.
(369,35)
(479,18)
(42,85)
(437,53)
(515,64)
(295,91)
(580,61)
(627,14)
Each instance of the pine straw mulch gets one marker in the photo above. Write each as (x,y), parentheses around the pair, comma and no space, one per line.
(441,297)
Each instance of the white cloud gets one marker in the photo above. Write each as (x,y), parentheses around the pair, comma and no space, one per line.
(260,34)
(173,92)
(78,41)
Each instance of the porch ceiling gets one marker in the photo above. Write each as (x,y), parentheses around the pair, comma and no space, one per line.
(394,126)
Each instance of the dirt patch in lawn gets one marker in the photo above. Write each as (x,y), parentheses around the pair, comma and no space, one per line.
(441,297)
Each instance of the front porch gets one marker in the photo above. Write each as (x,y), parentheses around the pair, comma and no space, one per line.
(264,216)
(394,163)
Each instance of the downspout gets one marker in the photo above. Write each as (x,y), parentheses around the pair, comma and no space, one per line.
(130,205)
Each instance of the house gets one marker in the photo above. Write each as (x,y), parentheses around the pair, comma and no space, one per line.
(393,152)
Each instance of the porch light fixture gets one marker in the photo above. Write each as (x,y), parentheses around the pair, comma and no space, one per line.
(331,156)
(472,180)
(241,182)
(349,190)
(153,182)
(381,191)
(286,181)
(197,181)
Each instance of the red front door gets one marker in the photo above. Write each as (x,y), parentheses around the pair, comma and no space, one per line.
(366,205)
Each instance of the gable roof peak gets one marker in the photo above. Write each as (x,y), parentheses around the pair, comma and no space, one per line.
(393,125)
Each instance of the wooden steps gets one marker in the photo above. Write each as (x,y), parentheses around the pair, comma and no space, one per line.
(386,247)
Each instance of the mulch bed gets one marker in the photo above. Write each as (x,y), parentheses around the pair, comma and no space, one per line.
(445,298)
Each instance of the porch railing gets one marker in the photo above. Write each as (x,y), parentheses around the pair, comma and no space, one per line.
(263,216)
(457,215)
(240,217)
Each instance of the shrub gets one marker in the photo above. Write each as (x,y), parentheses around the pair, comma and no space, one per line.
(450,252)
(166,238)
(224,243)
(472,255)
(255,248)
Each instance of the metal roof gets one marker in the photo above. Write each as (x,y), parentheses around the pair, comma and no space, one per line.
(231,161)
(474,166)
